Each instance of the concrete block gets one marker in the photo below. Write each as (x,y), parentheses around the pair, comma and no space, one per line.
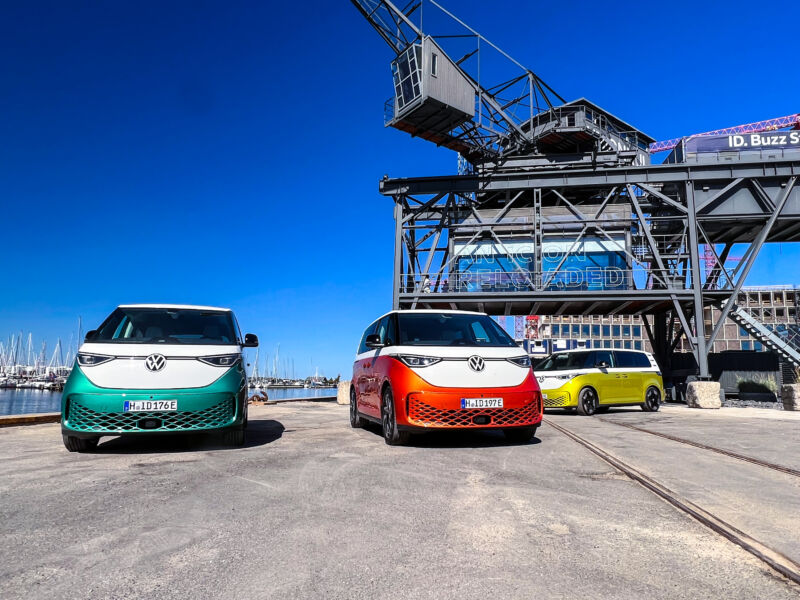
(703,394)
(343,393)
(790,394)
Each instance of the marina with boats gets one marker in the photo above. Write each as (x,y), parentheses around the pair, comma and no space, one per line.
(32,375)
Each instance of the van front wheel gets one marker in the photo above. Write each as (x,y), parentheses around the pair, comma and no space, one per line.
(587,402)
(652,400)
(234,437)
(76,444)
(391,434)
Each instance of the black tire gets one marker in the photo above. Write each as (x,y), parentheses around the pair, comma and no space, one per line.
(391,435)
(652,399)
(520,435)
(587,402)
(603,409)
(356,421)
(234,437)
(76,444)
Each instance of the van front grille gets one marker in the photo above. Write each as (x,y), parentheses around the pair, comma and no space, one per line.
(82,418)
(420,413)
(557,400)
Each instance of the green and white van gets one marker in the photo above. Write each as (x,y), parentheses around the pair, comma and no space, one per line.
(158,369)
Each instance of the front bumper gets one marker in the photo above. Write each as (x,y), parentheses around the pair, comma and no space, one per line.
(429,407)
(88,411)
(559,398)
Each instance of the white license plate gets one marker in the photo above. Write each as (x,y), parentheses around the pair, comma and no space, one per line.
(481,403)
(150,405)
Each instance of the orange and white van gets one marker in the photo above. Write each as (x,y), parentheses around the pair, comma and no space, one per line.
(419,370)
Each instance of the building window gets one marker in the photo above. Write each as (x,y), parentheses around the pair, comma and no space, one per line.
(637,331)
(627,344)
(435,65)
(555,329)
(585,331)
(596,331)
(606,331)
(746,345)
(576,331)
(617,343)
(626,331)
(637,345)
(606,343)
(758,347)
(615,329)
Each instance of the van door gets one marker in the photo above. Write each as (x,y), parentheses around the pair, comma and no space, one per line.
(604,379)
(630,377)
(362,373)
(372,397)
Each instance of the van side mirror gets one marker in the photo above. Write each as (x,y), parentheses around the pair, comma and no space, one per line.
(250,340)
(90,335)
(373,341)
(602,365)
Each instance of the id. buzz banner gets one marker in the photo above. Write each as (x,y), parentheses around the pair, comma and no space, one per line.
(747,141)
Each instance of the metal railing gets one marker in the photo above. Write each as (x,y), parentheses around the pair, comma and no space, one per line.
(786,343)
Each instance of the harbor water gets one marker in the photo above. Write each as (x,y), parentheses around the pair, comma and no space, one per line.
(26,401)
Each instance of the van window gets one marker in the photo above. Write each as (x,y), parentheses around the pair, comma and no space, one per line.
(631,360)
(605,356)
(562,361)
(151,325)
(362,347)
(386,330)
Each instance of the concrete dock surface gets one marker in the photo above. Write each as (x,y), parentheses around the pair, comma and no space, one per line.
(310,508)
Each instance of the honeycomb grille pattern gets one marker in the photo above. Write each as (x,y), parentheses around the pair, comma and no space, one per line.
(556,401)
(420,413)
(82,418)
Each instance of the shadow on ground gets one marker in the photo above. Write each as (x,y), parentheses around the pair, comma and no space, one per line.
(259,433)
(464,438)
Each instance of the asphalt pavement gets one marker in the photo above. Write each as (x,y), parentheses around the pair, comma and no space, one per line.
(310,508)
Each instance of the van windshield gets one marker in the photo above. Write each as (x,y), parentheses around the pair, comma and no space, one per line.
(167,326)
(563,361)
(451,329)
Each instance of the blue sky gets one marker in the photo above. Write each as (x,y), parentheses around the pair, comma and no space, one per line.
(228,153)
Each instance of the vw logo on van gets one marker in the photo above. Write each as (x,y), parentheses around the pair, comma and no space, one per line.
(476,363)
(155,362)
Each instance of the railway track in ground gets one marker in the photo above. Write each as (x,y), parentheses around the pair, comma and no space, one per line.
(729,453)
(775,560)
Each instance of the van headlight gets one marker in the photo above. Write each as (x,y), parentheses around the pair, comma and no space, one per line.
(220,360)
(564,377)
(92,360)
(521,361)
(418,361)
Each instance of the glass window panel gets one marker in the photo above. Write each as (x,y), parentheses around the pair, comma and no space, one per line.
(606,331)
(615,329)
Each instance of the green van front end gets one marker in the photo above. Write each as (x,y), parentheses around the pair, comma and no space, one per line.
(89,412)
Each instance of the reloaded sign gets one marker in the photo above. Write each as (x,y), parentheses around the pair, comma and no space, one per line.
(749,141)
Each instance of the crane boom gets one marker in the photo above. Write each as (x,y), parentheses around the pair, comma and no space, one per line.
(757,127)
(455,107)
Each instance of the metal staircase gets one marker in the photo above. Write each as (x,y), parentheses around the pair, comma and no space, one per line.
(787,346)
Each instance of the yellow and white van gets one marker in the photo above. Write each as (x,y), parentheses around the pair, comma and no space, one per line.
(593,380)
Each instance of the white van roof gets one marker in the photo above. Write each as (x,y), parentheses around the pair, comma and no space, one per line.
(173,306)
